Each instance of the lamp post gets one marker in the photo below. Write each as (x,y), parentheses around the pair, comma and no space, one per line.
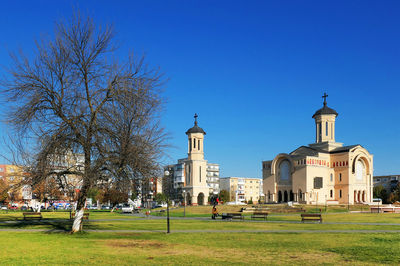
(348,201)
(184,203)
(166,174)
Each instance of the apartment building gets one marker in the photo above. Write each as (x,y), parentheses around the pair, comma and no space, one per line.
(243,189)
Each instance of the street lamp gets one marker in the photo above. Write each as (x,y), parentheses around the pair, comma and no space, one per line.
(166,174)
(184,203)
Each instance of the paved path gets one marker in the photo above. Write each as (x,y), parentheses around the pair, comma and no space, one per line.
(52,221)
(208,231)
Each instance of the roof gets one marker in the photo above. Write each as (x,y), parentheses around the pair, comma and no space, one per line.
(195,128)
(337,150)
(325,110)
(344,148)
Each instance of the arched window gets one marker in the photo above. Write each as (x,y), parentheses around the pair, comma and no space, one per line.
(198,146)
(194,143)
(340,177)
(331,193)
(331,177)
(360,170)
(326,128)
(284,169)
(340,193)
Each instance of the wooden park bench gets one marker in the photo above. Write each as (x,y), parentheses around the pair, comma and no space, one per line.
(261,215)
(32,215)
(232,215)
(85,215)
(311,217)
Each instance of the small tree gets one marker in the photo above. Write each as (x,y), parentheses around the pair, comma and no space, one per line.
(224,195)
(161,198)
(250,201)
(381,193)
(3,190)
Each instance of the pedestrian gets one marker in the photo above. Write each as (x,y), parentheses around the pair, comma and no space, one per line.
(214,213)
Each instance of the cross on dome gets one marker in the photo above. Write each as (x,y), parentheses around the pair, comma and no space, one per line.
(195,119)
(325,96)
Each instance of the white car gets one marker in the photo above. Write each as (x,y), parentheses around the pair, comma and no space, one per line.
(127,208)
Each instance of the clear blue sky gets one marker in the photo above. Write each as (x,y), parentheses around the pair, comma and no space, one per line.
(254,71)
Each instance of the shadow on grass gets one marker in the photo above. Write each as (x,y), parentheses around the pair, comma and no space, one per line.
(47,225)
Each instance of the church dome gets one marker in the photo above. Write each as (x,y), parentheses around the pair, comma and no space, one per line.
(195,128)
(325,110)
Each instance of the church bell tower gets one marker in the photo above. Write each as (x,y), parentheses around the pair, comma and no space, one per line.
(195,141)
(196,166)
(325,123)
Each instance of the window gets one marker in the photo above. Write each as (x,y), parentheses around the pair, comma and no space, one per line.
(190,144)
(326,129)
(340,193)
(284,168)
(320,131)
(194,143)
(251,181)
(1,169)
(360,170)
(340,176)
(331,193)
(331,177)
(317,182)
(198,146)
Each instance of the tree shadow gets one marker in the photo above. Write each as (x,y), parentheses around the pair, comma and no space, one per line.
(47,225)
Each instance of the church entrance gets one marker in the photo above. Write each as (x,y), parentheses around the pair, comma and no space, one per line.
(291,198)
(285,196)
(279,196)
(200,199)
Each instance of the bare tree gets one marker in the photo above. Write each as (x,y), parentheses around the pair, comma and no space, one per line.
(75,97)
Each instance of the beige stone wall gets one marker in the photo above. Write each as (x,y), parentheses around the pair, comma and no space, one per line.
(340,183)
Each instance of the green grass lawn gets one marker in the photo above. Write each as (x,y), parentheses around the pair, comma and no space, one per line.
(196,247)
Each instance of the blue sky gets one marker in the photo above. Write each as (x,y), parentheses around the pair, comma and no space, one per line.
(254,71)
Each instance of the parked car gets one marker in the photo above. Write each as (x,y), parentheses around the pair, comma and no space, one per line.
(13,208)
(3,207)
(105,207)
(24,208)
(127,208)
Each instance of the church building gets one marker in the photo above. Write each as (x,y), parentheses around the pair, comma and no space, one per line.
(325,172)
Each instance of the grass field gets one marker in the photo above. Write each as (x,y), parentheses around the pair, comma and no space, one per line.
(309,243)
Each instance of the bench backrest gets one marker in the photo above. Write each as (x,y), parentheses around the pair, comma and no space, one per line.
(32,213)
(260,213)
(310,215)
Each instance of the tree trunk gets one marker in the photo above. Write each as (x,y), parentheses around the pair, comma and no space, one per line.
(80,209)
(77,225)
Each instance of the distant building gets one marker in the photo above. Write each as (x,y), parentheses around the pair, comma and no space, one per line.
(150,188)
(193,175)
(389,182)
(242,189)
(13,175)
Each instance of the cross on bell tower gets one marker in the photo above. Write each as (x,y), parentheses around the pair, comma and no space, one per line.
(325,96)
